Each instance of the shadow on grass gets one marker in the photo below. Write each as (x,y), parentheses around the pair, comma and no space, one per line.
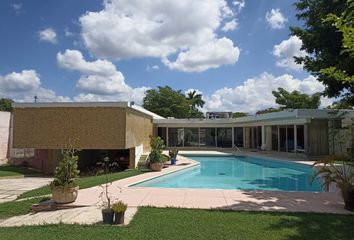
(13,171)
(316,226)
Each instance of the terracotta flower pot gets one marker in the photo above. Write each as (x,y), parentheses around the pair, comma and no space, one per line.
(64,194)
(156,166)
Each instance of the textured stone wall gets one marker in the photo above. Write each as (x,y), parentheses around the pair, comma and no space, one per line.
(5,120)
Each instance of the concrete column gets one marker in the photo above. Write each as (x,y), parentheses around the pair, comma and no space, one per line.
(167,137)
(263,136)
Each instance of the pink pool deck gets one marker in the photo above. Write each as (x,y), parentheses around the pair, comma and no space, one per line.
(321,202)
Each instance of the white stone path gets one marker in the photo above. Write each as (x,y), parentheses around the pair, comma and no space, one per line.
(11,188)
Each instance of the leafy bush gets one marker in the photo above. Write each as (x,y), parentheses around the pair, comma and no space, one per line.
(156,144)
(66,173)
(119,207)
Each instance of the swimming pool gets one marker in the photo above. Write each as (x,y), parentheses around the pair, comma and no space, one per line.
(239,172)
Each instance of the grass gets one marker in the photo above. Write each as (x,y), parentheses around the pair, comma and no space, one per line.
(17,171)
(171,223)
(15,208)
(84,182)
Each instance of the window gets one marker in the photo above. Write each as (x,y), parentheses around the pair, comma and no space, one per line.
(224,137)
(238,136)
(175,137)
(191,137)
(162,133)
(207,137)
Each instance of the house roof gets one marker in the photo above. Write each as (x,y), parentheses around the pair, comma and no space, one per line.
(86,104)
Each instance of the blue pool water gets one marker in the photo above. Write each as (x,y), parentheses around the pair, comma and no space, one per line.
(230,172)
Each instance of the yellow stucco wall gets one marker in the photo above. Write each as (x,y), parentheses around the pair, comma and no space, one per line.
(138,129)
(54,127)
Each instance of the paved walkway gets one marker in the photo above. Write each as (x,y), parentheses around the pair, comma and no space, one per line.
(82,215)
(11,188)
(322,202)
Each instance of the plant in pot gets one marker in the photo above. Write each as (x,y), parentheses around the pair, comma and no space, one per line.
(64,186)
(173,156)
(156,158)
(119,209)
(107,212)
(340,173)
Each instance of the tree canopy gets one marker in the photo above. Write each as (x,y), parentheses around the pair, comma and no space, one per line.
(296,100)
(5,104)
(239,114)
(195,99)
(167,102)
(327,35)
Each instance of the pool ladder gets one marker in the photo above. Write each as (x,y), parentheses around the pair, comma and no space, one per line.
(237,148)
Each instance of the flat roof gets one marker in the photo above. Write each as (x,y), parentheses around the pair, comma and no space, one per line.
(296,114)
(86,104)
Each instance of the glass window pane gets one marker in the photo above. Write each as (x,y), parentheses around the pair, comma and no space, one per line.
(300,137)
(290,138)
(275,138)
(191,137)
(224,137)
(238,136)
(175,137)
(161,132)
(207,137)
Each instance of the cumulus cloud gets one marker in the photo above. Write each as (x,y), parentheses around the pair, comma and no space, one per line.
(256,93)
(229,26)
(100,80)
(275,19)
(143,28)
(48,35)
(239,4)
(285,52)
(201,58)
(23,86)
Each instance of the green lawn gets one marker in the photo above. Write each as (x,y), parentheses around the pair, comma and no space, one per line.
(15,208)
(16,171)
(84,182)
(170,223)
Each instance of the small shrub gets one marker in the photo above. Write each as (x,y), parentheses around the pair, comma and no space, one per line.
(119,207)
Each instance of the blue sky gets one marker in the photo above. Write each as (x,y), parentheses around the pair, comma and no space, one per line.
(114,51)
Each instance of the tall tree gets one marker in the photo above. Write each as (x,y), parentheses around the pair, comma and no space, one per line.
(322,40)
(195,99)
(295,99)
(6,104)
(167,102)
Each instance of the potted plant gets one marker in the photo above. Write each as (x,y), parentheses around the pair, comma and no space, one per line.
(156,158)
(119,209)
(64,186)
(340,173)
(107,212)
(173,156)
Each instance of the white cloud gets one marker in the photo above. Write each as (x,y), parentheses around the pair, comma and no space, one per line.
(276,19)
(153,67)
(100,80)
(256,93)
(67,32)
(23,86)
(239,4)
(200,58)
(144,28)
(48,35)
(17,7)
(229,26)
(285,52)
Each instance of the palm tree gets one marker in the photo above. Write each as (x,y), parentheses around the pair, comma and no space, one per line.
(195,99)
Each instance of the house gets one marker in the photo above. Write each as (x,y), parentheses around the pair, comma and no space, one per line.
(121,131)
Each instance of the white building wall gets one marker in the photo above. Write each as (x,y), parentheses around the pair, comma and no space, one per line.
(5,120)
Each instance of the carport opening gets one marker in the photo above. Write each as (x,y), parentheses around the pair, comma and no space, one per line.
(88,159)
